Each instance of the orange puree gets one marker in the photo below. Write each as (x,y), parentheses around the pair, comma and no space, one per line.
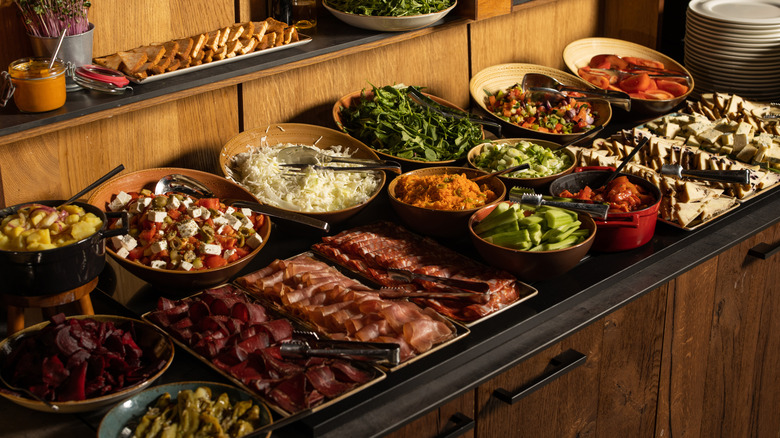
(442,192)
(38,89)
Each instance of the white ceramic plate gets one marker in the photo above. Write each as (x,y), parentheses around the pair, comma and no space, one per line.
(719,27)
(752,12)
(705,40)
(730,40)
(389,24)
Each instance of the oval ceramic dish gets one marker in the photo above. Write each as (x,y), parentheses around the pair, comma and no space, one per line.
(124,414)
(502,76)
(302,134)
(169,280)
(150,339)
(407,164)
(579,53)
(388,23)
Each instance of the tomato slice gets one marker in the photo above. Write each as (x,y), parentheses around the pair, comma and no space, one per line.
(658,94)
(643,62)
(599,61)
(635,83)
(214,261)
(676,89)
(212,203)
(617,62)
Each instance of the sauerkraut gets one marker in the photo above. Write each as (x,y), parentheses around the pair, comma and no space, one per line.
(305,190)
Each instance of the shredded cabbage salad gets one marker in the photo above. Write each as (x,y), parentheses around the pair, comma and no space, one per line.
(306,190)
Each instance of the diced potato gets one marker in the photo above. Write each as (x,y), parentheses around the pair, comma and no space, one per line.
(81,230)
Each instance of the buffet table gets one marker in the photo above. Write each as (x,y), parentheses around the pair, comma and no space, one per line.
(599,285)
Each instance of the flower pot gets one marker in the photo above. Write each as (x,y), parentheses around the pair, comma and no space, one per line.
(76,50)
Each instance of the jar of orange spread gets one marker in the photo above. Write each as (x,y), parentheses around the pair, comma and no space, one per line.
(38,88)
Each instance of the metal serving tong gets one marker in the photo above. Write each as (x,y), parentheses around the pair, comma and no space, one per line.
(527,196)
(729,176)
(301,157)
(551,89)
(423,100)
(378,352)
(468,285)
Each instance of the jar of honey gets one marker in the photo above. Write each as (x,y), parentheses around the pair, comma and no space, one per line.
(38,88)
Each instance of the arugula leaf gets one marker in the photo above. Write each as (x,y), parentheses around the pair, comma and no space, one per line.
(392,123)
(394,8)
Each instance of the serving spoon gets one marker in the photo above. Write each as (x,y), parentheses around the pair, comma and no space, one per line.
(190,186)
(302,156)
(542,82)
(96,183)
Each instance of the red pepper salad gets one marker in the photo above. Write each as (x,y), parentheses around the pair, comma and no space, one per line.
(179,232)
(567,116)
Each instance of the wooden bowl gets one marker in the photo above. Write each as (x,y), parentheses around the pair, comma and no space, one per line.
(539,184)
(169,280)
(151,340)
(579,53)
(302,134)
(531,265)
(441,223)
(406,163)
(502,76)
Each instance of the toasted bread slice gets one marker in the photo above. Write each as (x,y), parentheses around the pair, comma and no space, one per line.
(269,39)
(185,48)
(236,31)
(132,61)
(232,48)
(290,35)
(111,61)
(174,65)
(220,54)
(197,47)
(247,46)
(260,29)
(214,38)
(225,35)
(275,25)
(153,53)
(207,54)
(249,30)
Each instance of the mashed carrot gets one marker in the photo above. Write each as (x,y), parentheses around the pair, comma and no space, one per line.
(442,192)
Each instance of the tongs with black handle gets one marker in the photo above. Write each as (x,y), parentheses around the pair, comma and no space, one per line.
(448,112)
(467,285)
(387,353)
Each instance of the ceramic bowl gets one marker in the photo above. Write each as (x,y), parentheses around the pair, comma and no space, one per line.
(531,265)
(176,282)
(407,164)
(441,223)
(539,184)
(301,134)
(502,76)
(154,343)
(124,414)
(388,23)
(578,53)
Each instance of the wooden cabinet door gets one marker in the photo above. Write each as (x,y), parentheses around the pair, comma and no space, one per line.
(600,381)
(720,376)
(454,419)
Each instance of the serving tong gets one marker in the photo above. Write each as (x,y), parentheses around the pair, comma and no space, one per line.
(386,353)
(301,157)
(525,195)
(741,176)
(451,113)
(470,286)
(549,88)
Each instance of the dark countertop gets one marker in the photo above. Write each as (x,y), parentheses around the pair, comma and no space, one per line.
(601,283)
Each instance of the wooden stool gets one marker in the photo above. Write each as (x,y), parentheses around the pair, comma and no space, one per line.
(47,303)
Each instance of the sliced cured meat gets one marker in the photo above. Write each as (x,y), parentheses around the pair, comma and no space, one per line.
(324,381)
(290,394)
(256,342)
(422,334)
(279,329)
(345,372)
(249,313)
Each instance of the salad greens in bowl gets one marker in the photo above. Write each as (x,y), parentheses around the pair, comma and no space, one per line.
(397,128)
(389,16)
(547,160)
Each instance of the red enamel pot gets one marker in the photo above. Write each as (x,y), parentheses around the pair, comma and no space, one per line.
(620,231)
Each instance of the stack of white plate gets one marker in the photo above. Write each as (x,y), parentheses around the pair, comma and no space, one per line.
(733,46)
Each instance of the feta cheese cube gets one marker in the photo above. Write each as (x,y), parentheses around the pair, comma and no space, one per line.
(234,222)
(205,213)
(127,242)
(173,203)
(156,216)
(254,240)
(220,220)
(185,265)
(160,245)
(210,249)
(136,208)
(246,211)
(145,200)
(195,212)
(246,223)
(230,210)
(122,252)
(228,253)
(120,201)
(221,229)
(188,229)
(158,264)
(187,202)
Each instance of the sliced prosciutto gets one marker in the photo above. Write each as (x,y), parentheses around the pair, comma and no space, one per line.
(373,248)
(239,337)
(344,308)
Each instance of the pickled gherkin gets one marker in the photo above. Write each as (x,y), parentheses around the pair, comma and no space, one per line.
(197,414)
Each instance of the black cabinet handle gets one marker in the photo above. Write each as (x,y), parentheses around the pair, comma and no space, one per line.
(559,365)
(764,250)
(462,424)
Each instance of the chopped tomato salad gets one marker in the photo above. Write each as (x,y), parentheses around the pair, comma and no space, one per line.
(567,116)
(621,194)
(179,232)
(638,81)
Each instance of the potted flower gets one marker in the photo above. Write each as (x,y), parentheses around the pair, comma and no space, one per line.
(48,18)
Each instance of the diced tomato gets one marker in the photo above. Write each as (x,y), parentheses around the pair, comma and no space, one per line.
(147,235)
(214,261)
(136,253)
(259,220)
(635,83)
(212,203)
(174,214)
(676,89)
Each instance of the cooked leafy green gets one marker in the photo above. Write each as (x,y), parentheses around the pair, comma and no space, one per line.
(392,123)
(394,8)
